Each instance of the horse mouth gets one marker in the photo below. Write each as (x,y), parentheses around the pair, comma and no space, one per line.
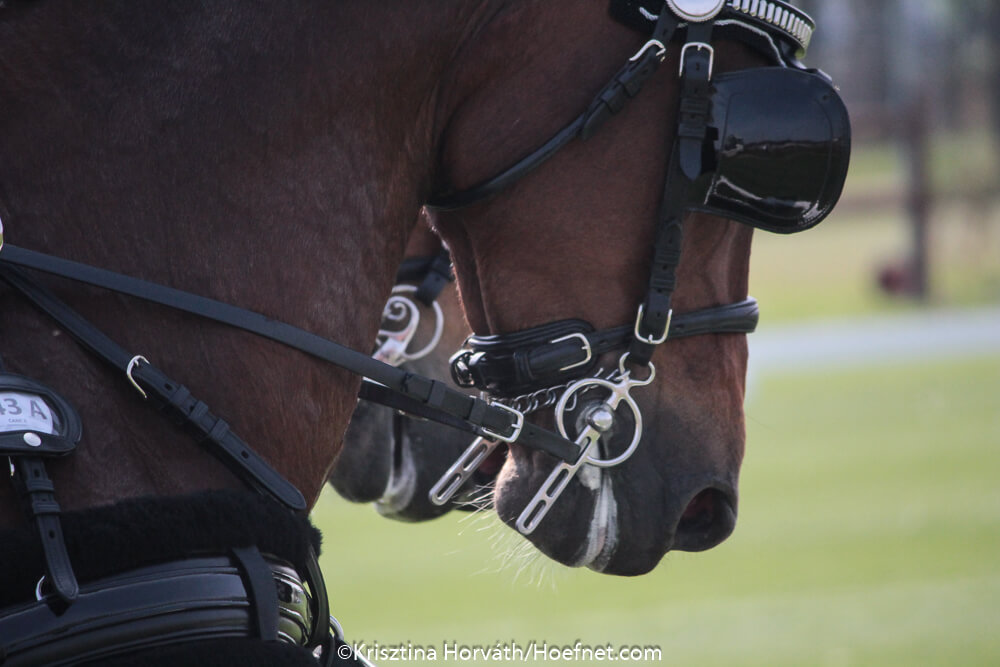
(597,524)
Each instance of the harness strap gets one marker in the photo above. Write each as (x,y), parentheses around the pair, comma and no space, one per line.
(171,397)
(508,364)
(437,275)
(653,321)
(261,591)
(38,496)
(625,84)
(490,420)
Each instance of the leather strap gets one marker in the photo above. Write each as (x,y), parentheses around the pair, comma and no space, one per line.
(194,599)
(625,84)
(510,364)
(171,397)
(684,166)
(37,494)
(491,420)
(436,275)
(261,591)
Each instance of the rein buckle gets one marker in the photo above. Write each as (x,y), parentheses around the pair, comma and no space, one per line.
(518,425)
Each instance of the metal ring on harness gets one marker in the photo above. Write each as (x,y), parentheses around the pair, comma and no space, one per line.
(619,387)
(393,344)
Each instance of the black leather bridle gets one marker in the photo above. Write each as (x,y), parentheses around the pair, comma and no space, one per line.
(551,358)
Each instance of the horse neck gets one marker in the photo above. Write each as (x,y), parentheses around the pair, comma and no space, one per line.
(257,157)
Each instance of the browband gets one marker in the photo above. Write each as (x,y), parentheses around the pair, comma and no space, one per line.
(782,20)
(776,29)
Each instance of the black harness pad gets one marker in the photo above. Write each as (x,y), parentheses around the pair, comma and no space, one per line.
(160,571)
(129,534)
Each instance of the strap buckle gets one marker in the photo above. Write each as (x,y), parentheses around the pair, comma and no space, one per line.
(698,46)
(518,425)
(584,344)
(661,50)
(649,340)
(132,364)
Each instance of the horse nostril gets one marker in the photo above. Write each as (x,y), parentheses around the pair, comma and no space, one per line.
(707,520)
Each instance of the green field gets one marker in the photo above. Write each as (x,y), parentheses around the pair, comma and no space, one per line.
(869,529)
(869,534)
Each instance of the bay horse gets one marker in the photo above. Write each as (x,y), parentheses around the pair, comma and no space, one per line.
(387,458)
(273,156)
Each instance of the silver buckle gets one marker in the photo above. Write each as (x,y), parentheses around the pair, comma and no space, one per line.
(133,362)
(585,344)
(653,43)
(699,46)
(649,340)
(518,425)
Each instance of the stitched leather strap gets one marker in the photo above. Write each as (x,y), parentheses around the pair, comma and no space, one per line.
(37,494)
(556,352)
(261,591)
(172,397)
(684,166)
(626,84)
(492,420)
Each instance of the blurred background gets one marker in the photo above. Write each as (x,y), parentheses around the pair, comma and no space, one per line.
(869,529)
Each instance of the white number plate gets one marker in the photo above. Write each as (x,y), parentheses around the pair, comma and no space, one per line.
(25,412)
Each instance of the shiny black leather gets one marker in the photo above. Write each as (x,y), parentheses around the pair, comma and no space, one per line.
(779,151)
(556,352)
(194,599)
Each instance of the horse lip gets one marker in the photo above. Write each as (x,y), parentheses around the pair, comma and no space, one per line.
(595,547)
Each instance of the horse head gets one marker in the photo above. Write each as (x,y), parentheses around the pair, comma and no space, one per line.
(576,240)
(388,458)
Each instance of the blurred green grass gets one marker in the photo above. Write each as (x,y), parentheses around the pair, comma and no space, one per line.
(869,529)
(869,534)
(833,269)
